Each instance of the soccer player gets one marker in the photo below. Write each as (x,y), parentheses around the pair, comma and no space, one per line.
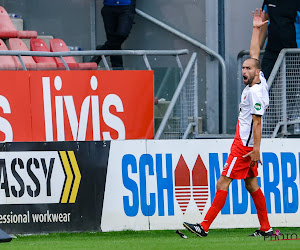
(244,157)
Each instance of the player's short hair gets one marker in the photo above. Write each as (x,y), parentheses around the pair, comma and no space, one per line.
(256,63)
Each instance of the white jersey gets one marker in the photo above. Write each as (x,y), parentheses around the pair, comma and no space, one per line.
(254,101)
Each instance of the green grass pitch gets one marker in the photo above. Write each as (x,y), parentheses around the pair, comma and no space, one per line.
(217,239)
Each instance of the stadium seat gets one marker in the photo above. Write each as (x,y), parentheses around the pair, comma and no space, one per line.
(18,44)
(58,45)
(8,30)
(88,65)
(37,44)
(6,62)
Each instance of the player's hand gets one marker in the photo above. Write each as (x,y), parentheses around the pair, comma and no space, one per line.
(255,157)
(258,18)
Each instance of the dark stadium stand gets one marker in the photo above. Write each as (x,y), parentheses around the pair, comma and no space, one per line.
(37,44)
(58,45)
(6,62)
(8,30)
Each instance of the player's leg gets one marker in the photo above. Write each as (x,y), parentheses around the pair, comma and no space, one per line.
(218,203)
(261,208)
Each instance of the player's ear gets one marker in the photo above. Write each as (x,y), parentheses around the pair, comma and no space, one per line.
(257,72)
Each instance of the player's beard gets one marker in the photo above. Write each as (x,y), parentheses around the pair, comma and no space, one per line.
(249,80)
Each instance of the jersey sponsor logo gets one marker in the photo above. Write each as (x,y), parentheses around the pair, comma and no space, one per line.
(38,177)
(257,106)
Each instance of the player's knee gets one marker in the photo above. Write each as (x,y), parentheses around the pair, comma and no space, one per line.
(248,186)
(251,187)
(223,184)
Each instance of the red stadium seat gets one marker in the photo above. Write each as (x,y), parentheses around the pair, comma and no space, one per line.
(88,65)
(6,62)
(37,44)
(18,44)
(27,34)
(58,45)
(8,30)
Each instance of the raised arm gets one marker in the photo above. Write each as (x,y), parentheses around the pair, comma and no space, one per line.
(258,17)
(263,32)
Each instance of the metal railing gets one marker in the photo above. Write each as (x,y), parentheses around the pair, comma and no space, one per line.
(284,92)
(207,50)
(182,113)
(102,53)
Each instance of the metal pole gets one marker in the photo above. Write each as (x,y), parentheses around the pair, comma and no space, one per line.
(207,50)
(175,96)
(279,124)
(105,62)
(186,133)
(96,52)
(147,62)
(284,103)
(64,62)
(93,23)
(196,115)
(179,64)
(22,62)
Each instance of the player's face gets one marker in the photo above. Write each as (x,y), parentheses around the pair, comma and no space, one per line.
(249,72)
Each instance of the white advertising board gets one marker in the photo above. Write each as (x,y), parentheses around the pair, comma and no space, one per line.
(159,184)
(31,177)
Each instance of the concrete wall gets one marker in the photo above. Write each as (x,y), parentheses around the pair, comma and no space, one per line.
(66,19)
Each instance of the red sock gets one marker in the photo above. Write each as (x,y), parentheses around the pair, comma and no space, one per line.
(216,206)
(261,208)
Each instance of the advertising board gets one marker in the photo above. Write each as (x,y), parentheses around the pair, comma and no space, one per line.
(159,184)
(76,105)
(52,187)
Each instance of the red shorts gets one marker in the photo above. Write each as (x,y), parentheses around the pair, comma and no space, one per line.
(237,167)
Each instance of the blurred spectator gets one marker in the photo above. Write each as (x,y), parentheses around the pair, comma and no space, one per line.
(281,30)
(118,18)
